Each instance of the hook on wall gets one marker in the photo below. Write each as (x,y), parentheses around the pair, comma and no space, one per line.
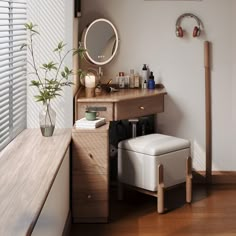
(197,29)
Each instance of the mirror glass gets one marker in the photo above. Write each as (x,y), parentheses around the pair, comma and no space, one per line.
(100,40)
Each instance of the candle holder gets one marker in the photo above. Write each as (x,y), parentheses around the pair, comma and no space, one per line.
(89,92)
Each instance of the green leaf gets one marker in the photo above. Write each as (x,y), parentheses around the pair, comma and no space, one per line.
(23,46)
(81,51)
(50,66)
(30,26)
(39,98)
(58,94)
(35,32)
(63,74)
(67,70)
(35,83)
(60,46)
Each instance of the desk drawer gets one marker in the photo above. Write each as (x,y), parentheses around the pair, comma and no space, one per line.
(90,152)
(90,211)
(94,185)
(89,197)
(107,109)
(139,107)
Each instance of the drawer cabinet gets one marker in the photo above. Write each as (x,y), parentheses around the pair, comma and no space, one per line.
(90,175)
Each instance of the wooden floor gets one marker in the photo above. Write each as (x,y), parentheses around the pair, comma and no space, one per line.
(213,212)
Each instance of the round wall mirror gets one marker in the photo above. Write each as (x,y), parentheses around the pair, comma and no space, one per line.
(100,40)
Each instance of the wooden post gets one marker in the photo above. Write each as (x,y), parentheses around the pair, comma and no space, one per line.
(160,189)
(189,180)
(208,111)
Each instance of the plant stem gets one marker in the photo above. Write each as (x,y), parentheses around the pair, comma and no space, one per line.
(32,56)
(61,61)
(47,112)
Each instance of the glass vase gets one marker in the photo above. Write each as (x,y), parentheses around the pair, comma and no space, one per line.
(47,119)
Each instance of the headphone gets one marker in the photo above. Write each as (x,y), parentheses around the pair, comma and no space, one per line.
(196,30)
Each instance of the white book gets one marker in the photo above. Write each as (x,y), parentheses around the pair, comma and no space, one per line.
(90,124)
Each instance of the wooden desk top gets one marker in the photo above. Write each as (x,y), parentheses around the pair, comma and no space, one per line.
(28,167)
(121,95)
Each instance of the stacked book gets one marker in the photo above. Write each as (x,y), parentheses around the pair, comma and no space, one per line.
(90,124)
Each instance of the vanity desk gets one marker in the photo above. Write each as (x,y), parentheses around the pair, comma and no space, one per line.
(124,104)
(90,148)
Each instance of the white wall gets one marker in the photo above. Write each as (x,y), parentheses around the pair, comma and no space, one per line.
(147,35)
(55,23)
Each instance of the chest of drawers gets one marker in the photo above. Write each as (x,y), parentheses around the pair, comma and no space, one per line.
(90,175)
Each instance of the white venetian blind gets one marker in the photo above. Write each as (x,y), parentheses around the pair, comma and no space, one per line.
(12,70)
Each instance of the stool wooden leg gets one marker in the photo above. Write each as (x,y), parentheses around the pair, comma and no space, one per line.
(120,191)
(189,180)
(160,189)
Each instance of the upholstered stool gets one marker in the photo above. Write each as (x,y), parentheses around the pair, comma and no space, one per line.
(153,163)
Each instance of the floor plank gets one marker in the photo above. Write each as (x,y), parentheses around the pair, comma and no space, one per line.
(212,212)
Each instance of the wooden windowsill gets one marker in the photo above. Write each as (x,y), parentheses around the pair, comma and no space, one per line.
(28,167)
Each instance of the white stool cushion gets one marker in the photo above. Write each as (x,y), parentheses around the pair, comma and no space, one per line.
(138,160)
(154,144)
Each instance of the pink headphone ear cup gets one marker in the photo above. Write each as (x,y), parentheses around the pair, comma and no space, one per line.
(180,32)
(196,32)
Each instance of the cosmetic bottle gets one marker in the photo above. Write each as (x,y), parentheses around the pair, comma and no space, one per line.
(127,81)
(151,81)
(144,74)
(144,84)
(131,79)
(121,80)
(136,80)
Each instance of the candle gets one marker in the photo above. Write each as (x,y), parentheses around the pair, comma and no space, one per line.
(90,81)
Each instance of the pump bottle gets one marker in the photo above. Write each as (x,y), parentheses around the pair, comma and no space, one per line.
(151,81)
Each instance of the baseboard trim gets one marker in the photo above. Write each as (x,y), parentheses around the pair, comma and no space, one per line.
(67,227)
(218,177)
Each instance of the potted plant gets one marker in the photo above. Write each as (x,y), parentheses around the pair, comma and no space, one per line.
(50,78)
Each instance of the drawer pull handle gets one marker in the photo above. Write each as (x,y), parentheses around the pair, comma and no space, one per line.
(142,108)
(89,196)
(90,155)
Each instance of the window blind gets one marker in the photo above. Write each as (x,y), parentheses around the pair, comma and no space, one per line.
(13,64)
